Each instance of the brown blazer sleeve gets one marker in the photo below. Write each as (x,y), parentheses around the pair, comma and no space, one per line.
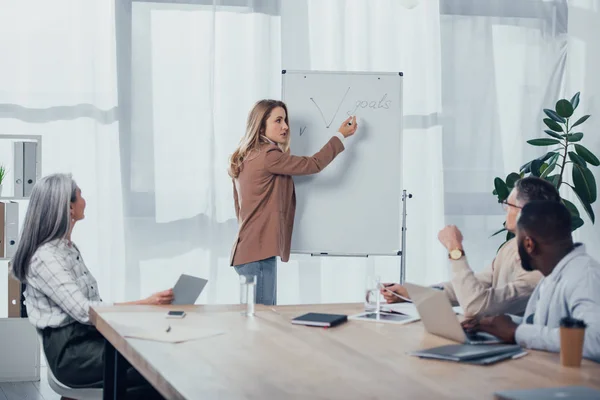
(280,163)
(236,201)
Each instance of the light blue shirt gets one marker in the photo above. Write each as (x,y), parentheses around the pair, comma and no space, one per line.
(571,290)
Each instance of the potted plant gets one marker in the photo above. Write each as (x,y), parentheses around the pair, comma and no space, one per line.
(565,148)
(2,176)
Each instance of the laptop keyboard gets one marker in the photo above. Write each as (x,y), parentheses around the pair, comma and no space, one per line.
(475,336)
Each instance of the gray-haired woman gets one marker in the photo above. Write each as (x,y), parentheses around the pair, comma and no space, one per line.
(60,289)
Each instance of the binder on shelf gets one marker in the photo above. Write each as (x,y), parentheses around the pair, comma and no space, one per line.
(29,167)
(2,224)
(11,228)
(14,295)
(18,169)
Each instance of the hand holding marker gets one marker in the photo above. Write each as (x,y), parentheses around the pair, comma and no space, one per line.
(348,127)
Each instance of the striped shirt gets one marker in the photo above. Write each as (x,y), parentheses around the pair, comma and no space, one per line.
(59,288)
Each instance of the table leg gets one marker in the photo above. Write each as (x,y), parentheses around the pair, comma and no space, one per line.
(115,373)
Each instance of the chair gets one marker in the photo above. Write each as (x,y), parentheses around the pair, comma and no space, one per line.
(66,391)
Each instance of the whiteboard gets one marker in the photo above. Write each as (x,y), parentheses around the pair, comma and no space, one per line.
(352,207)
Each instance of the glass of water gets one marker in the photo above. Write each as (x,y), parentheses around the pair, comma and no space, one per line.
(372,293)
(248,293)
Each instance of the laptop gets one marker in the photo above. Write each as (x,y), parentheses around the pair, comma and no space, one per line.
(188,289)
(439,319)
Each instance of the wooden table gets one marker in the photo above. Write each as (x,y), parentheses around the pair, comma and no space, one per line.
(266,357)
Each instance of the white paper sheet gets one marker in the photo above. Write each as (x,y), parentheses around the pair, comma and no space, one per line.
(176,334)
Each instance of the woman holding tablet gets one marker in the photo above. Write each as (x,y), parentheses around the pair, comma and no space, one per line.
(263,191)
(60,290)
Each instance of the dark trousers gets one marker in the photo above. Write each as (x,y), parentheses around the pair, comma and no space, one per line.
(75,355)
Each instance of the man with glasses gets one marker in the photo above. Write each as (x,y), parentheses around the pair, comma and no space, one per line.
(569,289)
(504,287)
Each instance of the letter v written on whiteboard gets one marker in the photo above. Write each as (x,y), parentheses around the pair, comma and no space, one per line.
(327,125)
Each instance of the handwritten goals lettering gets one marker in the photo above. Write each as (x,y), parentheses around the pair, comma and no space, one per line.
(375,105)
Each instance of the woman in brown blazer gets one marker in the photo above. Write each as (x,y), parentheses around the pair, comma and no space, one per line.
(263,192)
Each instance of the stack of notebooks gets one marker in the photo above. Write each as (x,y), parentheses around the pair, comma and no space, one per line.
(473,354)
(563,392)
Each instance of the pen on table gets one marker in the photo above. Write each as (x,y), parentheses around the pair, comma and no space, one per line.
(385,287)
(519,355)
(168,329)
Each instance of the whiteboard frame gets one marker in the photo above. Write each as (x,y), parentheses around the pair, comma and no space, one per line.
(395,253)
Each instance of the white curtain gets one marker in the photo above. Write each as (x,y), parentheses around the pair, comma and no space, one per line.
(153,170)
(502,63)
(195,72)
(583,65)
(384,36)
(58,80)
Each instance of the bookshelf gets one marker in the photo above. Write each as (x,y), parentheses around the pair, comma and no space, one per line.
(21,155)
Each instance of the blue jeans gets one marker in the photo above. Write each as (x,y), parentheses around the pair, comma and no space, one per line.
(265,272)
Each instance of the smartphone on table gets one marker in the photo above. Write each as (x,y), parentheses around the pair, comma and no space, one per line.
(175,314)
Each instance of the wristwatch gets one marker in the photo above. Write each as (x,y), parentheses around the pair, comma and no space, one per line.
(456,254)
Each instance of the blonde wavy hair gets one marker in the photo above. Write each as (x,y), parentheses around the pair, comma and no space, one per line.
(255,133)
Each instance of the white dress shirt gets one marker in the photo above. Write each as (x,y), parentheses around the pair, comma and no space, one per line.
(59,288)
(571,290)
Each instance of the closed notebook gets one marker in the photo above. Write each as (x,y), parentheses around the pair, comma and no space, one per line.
(318,319)
(565,392)
(467,352)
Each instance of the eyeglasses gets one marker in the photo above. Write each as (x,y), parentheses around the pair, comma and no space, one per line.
(506,204)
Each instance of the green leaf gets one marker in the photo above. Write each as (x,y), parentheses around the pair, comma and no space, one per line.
(575,101)
(576,223)
(511,179)
(571,207)
(553,179)
(543,142)
(586,206)
(564,108)
(580,121)
(494,192)
(577,160)
(585,183)
(554,116)
(526,168)
(535,167)
(509,235)
(501,189)
(553,125)
(548,170)
(574,137)
(587,155)
(547,155)
(498,232)
(554,134)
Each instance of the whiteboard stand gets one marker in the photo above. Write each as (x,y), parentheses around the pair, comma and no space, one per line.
(405,197)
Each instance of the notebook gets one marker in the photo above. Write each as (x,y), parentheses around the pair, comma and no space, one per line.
(318,319)
(564,392)
(468,352)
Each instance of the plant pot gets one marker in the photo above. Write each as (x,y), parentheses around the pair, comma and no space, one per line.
(1,189)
